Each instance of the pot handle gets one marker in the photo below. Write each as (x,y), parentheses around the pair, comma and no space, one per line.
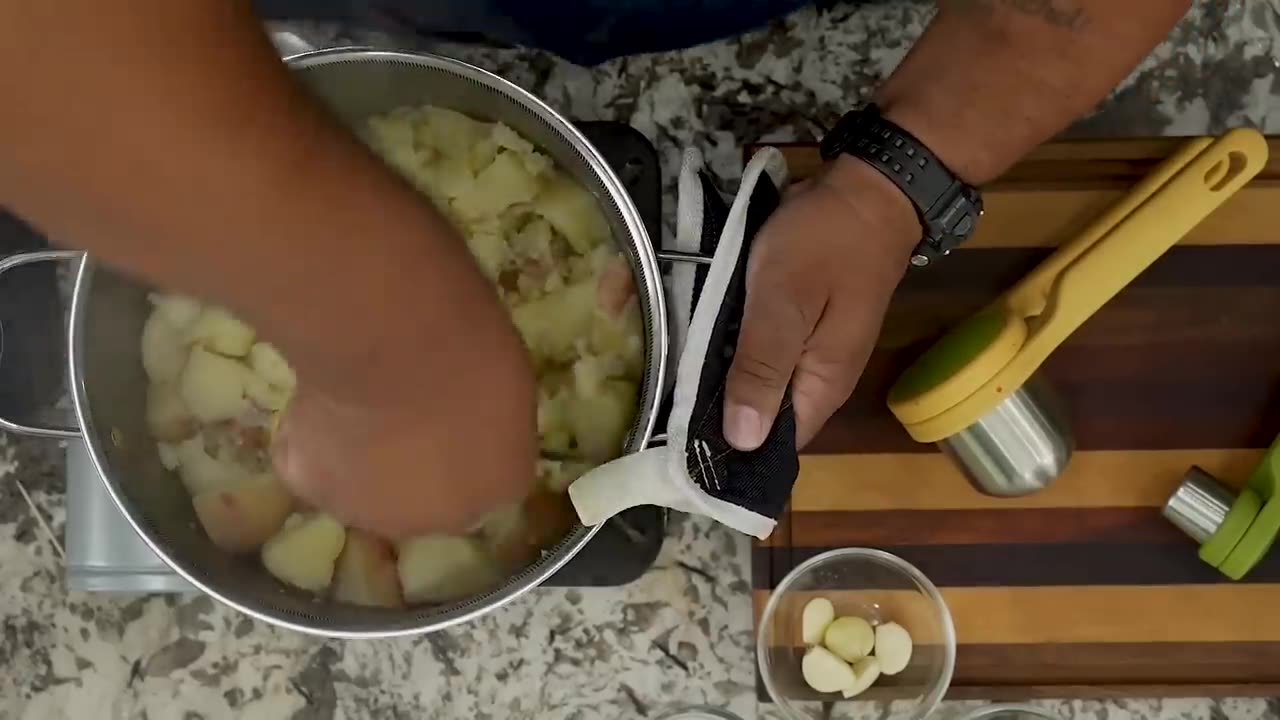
(680,257)
(7,264)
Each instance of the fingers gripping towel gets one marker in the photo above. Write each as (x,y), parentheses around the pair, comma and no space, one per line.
(698,471)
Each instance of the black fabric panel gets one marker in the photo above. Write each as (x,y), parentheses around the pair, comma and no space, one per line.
(761,480)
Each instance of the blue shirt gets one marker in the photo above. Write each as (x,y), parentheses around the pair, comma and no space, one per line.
(584,31)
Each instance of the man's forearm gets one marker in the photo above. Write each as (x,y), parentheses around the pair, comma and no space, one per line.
(166,138)
(991,79)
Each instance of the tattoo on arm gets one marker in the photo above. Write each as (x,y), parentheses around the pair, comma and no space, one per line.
(1063,14)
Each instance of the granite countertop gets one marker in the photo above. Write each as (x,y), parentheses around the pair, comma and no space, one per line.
(682,633)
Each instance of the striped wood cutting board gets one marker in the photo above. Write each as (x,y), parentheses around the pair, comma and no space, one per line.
(1083,589)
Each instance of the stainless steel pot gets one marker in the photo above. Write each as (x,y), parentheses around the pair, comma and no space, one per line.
(108,384)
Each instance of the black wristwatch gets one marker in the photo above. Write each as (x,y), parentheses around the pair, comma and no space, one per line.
(948,207)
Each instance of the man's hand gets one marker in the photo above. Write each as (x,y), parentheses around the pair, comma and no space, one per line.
(409,455)
(820,277)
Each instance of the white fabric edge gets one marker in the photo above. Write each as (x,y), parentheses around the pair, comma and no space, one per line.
(638,479)
(688,238)
(689,370)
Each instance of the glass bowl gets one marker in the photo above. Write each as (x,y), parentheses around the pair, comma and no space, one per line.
(878,587)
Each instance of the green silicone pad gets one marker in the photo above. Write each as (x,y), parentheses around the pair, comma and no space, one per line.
(1265,479)
(1255,543)
(1220,544)
(1261,533)
(949,354)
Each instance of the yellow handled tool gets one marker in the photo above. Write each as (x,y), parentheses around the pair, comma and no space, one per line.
(986,360)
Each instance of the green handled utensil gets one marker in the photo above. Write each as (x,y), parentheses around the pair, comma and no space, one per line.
(1234,531)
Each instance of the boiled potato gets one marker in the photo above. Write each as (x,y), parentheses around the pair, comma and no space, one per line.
(852,638)
(169,457)
(366,573)
(893,647)
(179,310)
(264,394)
(825,672)
(601,421)
(164,349)
(220,331)
(270,365)
(868,671)
(436,568)
(212,386)
(242,515)
(168,418)
(504,183)
(620,338)
(448,131)
(201,472)
(573,212)
(552,325)
(489,247)
(814,619)
(444,179)
(303,554)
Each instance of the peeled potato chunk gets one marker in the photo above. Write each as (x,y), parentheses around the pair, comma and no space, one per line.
(264,394)
(851,638)
(893,647)
(212,386)
(270,365)
(180,310)
(304,552)
(573,212)
(814,619)
(825,672)
(867,671)
(242,515)
(503,184)
(168,418)
(201,472)
(552,325)
(435,568)
(164,349)
(366,573)
(601,421)
(220,331)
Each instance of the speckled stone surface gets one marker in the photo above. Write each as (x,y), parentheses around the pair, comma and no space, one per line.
(681,634)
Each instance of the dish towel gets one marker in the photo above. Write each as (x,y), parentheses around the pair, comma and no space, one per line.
(697,471)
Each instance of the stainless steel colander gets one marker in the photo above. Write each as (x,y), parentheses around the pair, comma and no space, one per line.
(109,386)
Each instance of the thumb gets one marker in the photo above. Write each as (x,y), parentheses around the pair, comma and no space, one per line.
(770,343)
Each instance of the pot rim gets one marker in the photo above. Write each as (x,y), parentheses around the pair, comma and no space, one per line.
(648,278)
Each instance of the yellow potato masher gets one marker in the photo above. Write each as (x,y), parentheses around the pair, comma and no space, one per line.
(975,393)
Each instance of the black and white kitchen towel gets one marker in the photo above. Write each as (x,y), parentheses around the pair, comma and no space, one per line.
(697,471)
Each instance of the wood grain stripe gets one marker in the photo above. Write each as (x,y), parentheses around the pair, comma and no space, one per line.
(1042,564)
(1090,614)
(981,526)
(1120,160)
(930,481)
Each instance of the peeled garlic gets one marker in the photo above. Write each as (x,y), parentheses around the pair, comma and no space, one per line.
(851,638)
(825,672)
(814,619)
(893,647)
(867,671)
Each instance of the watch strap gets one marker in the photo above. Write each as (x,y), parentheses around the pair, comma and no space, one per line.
(948,208)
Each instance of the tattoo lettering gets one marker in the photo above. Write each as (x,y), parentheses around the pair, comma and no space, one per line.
(1063,14)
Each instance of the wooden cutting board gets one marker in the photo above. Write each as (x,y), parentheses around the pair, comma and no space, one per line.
(1082,590)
